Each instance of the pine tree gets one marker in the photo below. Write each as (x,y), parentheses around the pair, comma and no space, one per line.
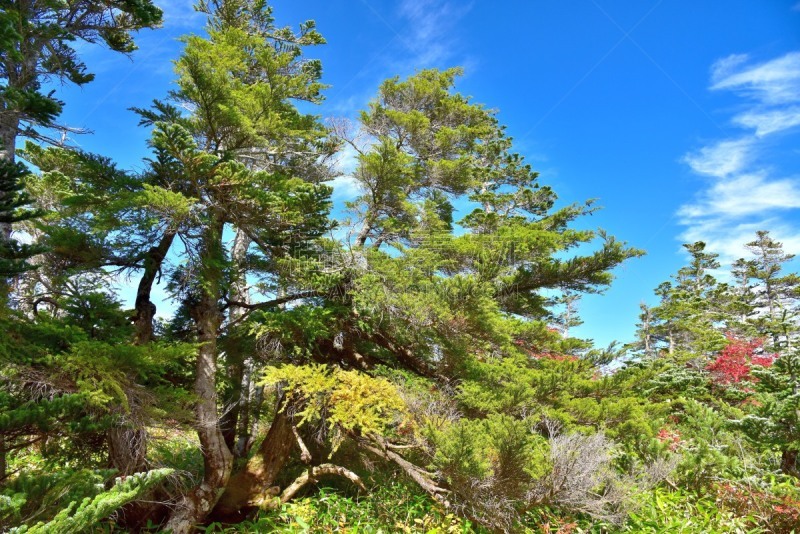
(409,297)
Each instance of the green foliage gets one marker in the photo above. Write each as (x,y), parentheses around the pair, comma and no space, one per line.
(14,207)
(679,512)
(391,506)
(79,516)
(41,47)
(438,344)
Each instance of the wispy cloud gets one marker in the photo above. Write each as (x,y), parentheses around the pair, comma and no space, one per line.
(180,15)
(771,90)
(722,159)
(431,24)
(745,195)
(767,122)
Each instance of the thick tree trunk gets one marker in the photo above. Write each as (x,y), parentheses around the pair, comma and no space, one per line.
(127,449)
(217,458)
(248,420)
(145,309)
(233,396)
(255,482)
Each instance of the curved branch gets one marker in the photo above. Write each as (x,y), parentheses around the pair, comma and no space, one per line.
(404,355)
(313,473)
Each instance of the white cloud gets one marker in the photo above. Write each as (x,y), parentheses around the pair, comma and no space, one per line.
(345,186)
(767,122)
(741,196)
(721,159)
(723,68)
(744,195)
(729,240)
(773,82)
(180,14)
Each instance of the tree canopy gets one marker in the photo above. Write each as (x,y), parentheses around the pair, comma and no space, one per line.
(415,349)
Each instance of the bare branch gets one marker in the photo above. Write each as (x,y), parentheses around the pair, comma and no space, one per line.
(305,455)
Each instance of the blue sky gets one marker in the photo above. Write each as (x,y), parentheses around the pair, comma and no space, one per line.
(681,117)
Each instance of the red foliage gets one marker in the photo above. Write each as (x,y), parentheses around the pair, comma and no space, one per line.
(673,437)
(780,513)
(735,361)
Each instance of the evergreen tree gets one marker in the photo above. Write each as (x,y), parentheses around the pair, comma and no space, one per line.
(250,160)
(37,46)
(774,296)
(410,298)
(14,207)
(686,319)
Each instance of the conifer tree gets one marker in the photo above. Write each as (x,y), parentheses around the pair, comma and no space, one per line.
(249,160)
(410,297)
(37,47)
(774,294)
(685,319)
(14,207)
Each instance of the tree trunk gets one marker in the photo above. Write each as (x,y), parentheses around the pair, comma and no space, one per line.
(127,448)
(217,458)
(145,309)
(255,482)
(127,442)
(789,463)
(238,395)
(248,419)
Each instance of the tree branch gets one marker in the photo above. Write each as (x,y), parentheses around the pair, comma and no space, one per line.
(416,473)
(311,476)
(274,302)
(305,455)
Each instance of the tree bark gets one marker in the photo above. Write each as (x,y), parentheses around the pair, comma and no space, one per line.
(127,448)
(254,483)
(311,476)
(145,309)
(217,458)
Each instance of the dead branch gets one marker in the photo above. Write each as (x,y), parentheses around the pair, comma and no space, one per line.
(305,455)
(311,476)
(419,475)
